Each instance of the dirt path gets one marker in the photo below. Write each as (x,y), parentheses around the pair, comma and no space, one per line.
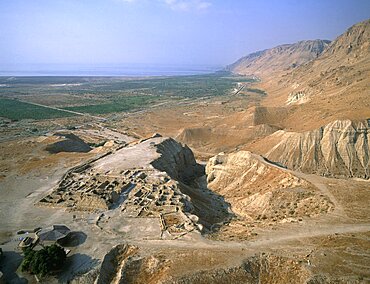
(239,90)
(269,240)
(315,180)
(278,238)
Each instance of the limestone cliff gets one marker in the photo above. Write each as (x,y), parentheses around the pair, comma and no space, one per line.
(339,149)
(328,82)
(333,86)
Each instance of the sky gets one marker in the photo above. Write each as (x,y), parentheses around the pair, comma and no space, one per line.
(167,32)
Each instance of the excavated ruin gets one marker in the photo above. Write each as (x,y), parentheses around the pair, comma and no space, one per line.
(141,180)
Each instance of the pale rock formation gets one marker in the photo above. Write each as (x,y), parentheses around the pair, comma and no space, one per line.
(296,97)
(339,149)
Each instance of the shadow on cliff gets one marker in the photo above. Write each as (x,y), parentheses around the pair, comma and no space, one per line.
(179,163)
(76,264)
(211,208)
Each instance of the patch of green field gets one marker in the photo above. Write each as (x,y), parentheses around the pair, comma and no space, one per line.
(179,86)
(121,104)
(103,95)
(257,91)
(17,110)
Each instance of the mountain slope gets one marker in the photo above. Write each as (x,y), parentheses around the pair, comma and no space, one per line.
(278,59)
(333,86)
(343,68)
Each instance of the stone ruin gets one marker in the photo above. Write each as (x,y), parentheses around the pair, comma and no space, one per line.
(136,190)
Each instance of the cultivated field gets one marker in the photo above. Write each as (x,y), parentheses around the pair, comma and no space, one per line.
(105,95)
(17,110)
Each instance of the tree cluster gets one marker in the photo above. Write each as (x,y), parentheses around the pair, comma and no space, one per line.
(44,261)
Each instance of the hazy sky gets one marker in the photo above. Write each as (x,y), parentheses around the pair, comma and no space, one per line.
(210,32)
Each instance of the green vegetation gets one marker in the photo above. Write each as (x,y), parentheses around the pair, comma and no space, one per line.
(44,261)
(104,95)
(117,105)
(257,91)
(17,110)
(179,86)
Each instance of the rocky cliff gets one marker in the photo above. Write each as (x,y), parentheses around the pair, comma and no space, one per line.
(330,82)
(338,149)
(281,58)
(333,86)
(177,161)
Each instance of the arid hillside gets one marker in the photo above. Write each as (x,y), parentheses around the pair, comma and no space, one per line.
(281,58)
(259,190)
(341,71)
(333,86)
(330,87)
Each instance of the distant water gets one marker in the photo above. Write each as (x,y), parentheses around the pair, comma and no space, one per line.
(132,70)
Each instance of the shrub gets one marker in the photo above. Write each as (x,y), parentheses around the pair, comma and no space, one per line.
(44,261)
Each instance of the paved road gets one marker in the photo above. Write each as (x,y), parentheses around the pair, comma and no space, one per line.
(65,110)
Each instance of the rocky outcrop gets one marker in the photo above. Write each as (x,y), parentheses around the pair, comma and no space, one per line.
(278,59)
(263,268)
(124,264)
(339,149)
(177,161)
(113,263)
(258,190)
